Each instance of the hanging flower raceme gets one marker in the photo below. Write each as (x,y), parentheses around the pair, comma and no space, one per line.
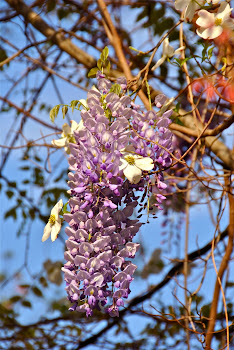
(113,157)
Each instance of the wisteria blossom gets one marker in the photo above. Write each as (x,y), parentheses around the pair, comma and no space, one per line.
(168,52)
(212,24)
(189,6)
(67,135)
(53,226)
(112,153)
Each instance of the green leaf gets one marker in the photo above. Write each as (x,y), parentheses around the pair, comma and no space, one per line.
(9,194)
(92,73)
(104,54)
(12,184)
(54,112)
(108,66)
(64,111)
(11,212)
(99,64)
(62,13)
(37,291)
(3,56)
(24,285)
(15,298)
(177,107)
(178,121)
(24,168)
(210,51)
(26,303)
(73,104)
(43,282)
(64,210)
(50,4)
(32,214)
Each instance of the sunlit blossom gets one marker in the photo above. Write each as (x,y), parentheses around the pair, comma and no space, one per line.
(211,24)
(132,166)
(53,226)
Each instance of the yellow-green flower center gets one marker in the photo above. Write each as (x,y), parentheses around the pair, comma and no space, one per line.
(71,138)
(52,219)
(218,21)
(130,160)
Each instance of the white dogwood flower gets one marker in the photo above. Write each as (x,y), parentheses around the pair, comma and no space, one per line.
(53,226)
(168,52)
(211,24)
(132,166)
(68,135)
(190,7)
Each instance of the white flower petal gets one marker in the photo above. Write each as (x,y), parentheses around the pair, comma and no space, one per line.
(180,5)
(206,19)
(59,143)
(144,163)
(47,231)
(74,126)
(168,50)
(160,61)
(124,164)
(203,32)
(56,209)
(55,230)
(224,11)
(132,173)
(217,31)
(66,129)
(84,103)
(191,9)
(179,50)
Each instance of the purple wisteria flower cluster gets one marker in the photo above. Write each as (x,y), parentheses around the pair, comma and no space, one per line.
(118,152)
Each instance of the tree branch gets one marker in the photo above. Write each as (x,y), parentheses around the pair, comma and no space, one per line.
(55,36)
(215,145)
